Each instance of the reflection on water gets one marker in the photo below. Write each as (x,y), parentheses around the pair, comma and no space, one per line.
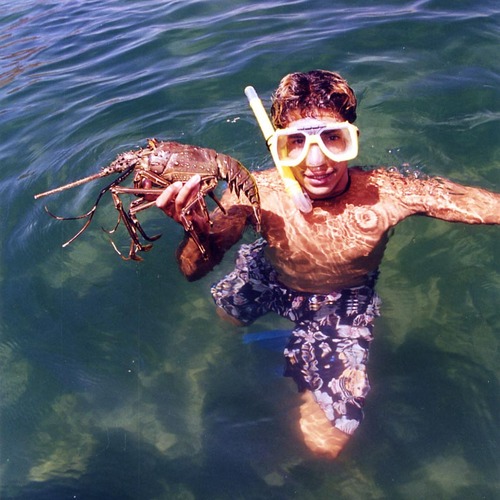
(117,378)
(14,376)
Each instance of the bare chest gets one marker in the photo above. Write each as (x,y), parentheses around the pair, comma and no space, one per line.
(335,245)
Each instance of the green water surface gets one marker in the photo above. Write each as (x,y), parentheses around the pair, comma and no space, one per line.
(117,379)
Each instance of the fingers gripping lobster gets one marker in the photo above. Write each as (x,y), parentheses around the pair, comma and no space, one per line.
(155,167)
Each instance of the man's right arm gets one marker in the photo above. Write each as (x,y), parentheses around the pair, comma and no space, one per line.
(227,229)
(216,237)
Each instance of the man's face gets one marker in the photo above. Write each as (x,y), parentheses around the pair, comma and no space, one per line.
(318,174)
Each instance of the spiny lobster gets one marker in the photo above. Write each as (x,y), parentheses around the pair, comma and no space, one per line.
(156,166)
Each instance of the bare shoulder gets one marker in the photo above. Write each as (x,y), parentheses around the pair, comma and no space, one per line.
(376,186)
(406,187)
(388,178)
(267,178)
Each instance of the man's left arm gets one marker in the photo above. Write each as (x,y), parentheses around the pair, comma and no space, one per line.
(449,201)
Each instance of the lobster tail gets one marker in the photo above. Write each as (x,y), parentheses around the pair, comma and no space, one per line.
(239,179)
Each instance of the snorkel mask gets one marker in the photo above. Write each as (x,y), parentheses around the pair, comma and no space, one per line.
(292,187)
(337,141)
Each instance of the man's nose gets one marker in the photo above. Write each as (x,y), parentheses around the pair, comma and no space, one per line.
(315,157)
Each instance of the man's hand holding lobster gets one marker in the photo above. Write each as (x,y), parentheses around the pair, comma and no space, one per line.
(216,234)
(175,200)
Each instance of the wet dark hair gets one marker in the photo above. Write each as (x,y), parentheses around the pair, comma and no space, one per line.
(305,93)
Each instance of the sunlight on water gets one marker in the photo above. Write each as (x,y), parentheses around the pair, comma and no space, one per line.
(118,380)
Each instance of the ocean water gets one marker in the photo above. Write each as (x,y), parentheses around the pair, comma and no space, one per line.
(117,379)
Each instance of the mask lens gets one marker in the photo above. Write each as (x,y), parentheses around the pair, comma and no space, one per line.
(337,141)
(291,146)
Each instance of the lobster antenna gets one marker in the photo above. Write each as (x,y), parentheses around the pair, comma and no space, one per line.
(71,185)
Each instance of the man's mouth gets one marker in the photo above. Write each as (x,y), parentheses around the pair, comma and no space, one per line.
(318,178)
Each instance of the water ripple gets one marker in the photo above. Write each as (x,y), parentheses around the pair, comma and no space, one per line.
(83,80)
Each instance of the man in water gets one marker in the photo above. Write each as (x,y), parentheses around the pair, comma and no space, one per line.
(318,269)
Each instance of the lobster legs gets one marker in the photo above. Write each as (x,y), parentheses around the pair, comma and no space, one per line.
(90,214)
(133,225)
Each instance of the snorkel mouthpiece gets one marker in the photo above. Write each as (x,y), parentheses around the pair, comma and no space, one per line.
(292,187)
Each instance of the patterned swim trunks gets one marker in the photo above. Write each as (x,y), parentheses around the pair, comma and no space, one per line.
(328,349)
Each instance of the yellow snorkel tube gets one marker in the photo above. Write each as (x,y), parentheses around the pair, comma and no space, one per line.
(292,187)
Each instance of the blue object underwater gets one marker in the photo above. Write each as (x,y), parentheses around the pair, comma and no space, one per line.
(274,340)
